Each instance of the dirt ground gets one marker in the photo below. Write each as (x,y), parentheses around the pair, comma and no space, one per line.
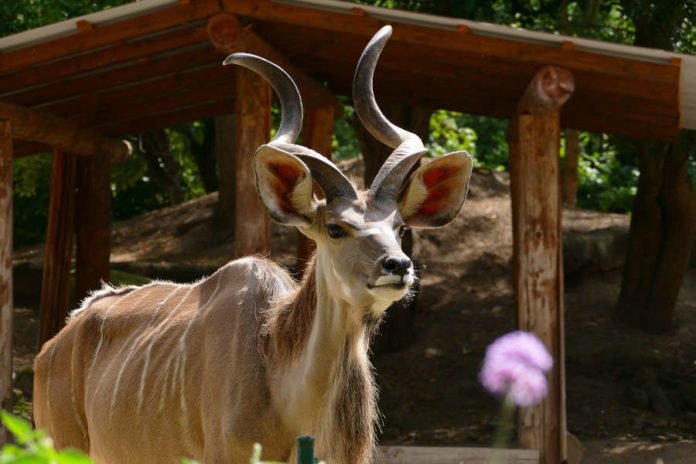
(631,396)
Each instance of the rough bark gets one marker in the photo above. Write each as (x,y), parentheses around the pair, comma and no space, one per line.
(55,283)
(660,238)
(537,245)
(663,209)
(253,128)
(93,224)
(5,271)
(317,135)
(398,329)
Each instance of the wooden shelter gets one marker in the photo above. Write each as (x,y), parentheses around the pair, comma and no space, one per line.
(76,86)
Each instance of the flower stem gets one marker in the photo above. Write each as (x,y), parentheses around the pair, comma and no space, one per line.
(502,433)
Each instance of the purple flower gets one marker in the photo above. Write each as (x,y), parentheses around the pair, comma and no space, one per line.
(515,366)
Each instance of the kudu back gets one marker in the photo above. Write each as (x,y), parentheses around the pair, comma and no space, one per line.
(154,373)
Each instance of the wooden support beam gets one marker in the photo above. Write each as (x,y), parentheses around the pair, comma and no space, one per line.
(317,135)
(6,305)
(253,129)
(61,134)
(93,225)
(58,246)
(228,36)
(537,248)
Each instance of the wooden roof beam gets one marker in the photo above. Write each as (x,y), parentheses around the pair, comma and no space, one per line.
(227,35)
(106,35)
(515,51)
(109,56)
(61,133)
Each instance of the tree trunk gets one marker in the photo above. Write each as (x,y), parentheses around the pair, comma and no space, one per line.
(58,248)
(397,330)
(252,230)
(660,238)
(93,224)
(161,165)
(204,153)
(6,305)
(225,154)
(569,169)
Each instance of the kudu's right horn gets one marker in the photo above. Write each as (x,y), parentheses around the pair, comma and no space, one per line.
(408,147)
(324,172)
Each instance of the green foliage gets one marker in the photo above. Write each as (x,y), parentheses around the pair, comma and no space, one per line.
(608,181)
(482,137)
(33,446)
(31,183)
(20,15)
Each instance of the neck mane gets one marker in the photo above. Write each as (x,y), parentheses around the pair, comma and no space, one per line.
(317,349)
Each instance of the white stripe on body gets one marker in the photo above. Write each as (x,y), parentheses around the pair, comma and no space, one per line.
(182,349)
(134,345)
(148,350)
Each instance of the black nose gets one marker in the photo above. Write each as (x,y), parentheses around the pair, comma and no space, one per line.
(396,265)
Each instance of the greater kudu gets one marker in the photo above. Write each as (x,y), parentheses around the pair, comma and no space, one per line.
(150,374)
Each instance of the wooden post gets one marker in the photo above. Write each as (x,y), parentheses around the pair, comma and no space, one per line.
(318,134)
(537,244)
(5,270)
(58,247)
(569,170)
(93,225)
(253,129)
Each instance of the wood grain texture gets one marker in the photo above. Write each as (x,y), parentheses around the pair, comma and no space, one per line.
(5,270)
(317,134)
(537,248)
(93,225)
(58,247)
(253,129)
(61,133)
(452,455)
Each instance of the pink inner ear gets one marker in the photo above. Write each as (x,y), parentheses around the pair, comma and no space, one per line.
(437,175)
(286,177)
(435,201)
(437,197)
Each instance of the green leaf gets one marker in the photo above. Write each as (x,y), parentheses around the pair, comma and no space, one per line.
(72,456)
(19,427)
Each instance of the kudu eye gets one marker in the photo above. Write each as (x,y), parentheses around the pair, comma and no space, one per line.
(335,231)
(403,230)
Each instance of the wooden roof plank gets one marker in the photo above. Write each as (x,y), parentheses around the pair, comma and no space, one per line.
(195,112)
(178,81)
(516,51)
(436,62)
(133,71)
(106,35)
(104,57)
(153,105)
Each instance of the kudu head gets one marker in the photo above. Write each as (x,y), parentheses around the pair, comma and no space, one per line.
(358,233)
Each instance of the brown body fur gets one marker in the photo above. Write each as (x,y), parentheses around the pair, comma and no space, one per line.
(210,351)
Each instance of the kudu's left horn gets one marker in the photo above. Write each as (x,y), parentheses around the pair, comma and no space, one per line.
(408,147)
(324,172)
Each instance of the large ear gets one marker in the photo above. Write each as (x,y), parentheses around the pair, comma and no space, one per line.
(436,192)
(284,184)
